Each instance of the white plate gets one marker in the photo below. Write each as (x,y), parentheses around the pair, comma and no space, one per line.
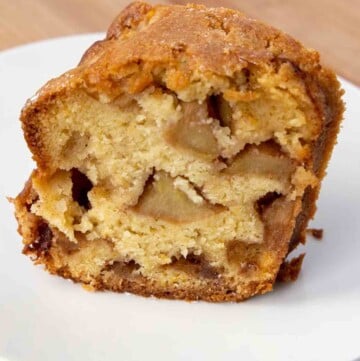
(47,318)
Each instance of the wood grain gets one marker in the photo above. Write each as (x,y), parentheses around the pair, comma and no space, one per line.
(330,26)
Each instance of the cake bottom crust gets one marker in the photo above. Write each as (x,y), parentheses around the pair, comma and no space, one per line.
(211,291)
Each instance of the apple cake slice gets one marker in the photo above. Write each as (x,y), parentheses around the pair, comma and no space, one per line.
(181,158)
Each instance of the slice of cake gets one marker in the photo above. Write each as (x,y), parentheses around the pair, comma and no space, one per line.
(181,158)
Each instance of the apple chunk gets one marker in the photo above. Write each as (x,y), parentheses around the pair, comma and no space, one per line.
(162,200)
(264,160)
(194,130)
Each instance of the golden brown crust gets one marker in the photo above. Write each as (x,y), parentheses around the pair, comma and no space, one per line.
(326,94)
(128,19)
(219,41)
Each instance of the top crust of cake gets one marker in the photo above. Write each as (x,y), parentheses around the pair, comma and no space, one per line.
(186,40)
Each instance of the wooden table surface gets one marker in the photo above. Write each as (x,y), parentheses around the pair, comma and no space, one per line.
(330,26)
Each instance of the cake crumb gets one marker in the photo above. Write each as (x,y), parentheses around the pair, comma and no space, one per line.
(290,270)
(88,287)
(317,233)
